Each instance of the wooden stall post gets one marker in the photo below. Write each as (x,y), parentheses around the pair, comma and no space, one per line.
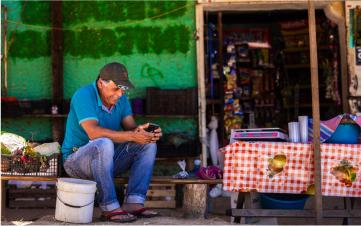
(5,47)
(57,64)
(315,109)
(201,82)
(220,71)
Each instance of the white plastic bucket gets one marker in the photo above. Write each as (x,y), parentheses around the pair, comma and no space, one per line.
(75,200)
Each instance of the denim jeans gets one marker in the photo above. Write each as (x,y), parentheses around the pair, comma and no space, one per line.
(101,160)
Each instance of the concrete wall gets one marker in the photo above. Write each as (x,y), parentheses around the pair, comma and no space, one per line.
(153,39)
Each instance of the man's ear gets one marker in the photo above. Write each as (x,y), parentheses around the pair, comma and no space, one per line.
(99,83)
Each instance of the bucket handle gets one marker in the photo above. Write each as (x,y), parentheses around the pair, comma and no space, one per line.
(72,206)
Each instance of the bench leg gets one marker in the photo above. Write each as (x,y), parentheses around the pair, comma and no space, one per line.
(195,200)
(3,199)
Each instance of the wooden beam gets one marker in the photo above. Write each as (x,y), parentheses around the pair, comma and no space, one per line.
(155,180)
(294,213)
(57,51)
(57,65)
(315,109)
(271,213)
(201,82)
(220,72)
(260,5)
(5,50)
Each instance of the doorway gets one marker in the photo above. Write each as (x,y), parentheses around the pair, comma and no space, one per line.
(260,76)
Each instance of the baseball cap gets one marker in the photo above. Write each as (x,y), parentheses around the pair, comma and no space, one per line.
(117,73)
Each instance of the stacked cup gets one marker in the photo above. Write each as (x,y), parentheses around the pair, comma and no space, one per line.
(298,131)
(303,121)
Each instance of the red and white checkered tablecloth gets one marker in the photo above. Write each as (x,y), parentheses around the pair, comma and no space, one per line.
(276,167)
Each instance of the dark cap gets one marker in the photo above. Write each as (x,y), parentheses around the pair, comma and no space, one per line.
(117,73)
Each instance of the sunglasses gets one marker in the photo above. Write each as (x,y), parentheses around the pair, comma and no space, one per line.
(124,88)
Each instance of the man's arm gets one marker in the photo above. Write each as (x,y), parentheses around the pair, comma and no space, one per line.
(129,123)
(95,131)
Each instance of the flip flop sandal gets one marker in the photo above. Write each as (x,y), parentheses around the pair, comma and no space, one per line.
(140,213)
(108,217)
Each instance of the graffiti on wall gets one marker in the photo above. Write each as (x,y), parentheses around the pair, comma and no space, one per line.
(152,73)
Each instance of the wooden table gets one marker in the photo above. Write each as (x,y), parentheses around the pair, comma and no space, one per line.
(276,167)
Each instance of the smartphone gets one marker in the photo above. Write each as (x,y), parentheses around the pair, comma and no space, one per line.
(151,127)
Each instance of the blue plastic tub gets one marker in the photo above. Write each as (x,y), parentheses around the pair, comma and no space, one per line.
(283,201)
(345,134)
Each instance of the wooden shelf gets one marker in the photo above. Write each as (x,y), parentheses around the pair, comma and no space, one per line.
(306,48)
(37,116)
(302,31)
(245,98)
(166,116)
(264,105)
(310,105)
(297,66)
(65,115)
(155,179)
(214,101)
(260,67)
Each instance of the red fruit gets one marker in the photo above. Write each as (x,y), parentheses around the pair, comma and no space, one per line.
(23,158)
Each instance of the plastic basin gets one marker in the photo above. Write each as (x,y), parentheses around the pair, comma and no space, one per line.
(283,201)
(345,134)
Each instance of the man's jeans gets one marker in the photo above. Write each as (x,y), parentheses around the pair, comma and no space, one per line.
(101,159)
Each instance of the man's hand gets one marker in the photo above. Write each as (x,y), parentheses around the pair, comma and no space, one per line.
(155,135)
(140,136)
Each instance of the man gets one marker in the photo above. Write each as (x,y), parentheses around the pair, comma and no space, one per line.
(102,140)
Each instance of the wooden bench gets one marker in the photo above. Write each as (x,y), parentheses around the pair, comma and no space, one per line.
(195,193)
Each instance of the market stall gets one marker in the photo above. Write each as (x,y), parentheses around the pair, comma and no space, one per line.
(315,150)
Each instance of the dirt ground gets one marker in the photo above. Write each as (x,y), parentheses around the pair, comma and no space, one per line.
(167,217)
(22,217)
(177,217)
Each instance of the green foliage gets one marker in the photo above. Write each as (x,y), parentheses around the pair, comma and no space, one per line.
(95,43)
(30,44)
(35,12)
(88,42)
(125,40)
(75,12)
(155,8)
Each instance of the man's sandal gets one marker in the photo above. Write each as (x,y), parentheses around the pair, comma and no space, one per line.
(108,217)
(141,213)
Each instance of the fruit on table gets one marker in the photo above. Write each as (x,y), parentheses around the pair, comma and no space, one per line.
(345,172)
(277,162)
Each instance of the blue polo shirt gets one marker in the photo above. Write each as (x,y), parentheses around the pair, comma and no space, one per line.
(87,105)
